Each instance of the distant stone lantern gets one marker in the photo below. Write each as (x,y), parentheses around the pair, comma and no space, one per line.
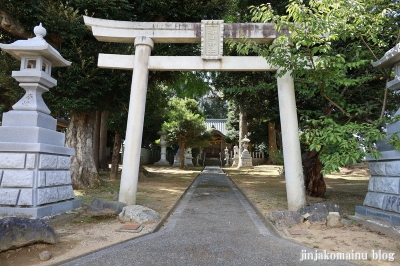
(245,159)
(226,156)
(35,179)
(163,145)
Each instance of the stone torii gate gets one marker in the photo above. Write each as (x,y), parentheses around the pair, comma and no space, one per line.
(211,34)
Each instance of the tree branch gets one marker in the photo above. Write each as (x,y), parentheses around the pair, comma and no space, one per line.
(373,54)
(321,87)
(11,24)
(384,99)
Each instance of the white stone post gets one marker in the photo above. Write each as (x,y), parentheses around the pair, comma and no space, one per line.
(134,128)
(295,189)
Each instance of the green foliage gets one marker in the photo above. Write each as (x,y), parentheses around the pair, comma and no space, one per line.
(190,85)
(83,87)
(185,124)
(340,145)
(340,96)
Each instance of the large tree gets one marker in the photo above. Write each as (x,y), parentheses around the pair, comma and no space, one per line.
(84,88)
(342,98)
(185,126)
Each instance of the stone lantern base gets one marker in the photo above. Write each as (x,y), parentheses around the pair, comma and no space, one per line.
(245,160)
(35,179)
(382,201)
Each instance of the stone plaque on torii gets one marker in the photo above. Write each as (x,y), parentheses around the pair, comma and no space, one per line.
(211,34)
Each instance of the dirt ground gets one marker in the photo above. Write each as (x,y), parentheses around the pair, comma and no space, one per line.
(348,189)
(80,234)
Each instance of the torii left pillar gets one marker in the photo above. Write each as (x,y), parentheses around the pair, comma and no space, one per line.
(134,129)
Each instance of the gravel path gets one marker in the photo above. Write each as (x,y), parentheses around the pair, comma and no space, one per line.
(213,225)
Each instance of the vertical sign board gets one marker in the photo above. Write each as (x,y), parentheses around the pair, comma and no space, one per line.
(212,39)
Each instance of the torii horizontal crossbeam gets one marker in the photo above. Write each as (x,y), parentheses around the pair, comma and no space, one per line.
(176,32)
(188,63)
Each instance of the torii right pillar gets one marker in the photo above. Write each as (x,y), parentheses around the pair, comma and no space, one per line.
(294,177)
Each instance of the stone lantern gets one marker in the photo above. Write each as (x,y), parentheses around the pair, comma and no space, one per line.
(163,144)
(382,201)
(226,156)
(35,179)
(245,159)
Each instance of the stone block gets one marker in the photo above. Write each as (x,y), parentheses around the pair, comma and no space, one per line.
(29,119)
(374,199)
(68,179)
(100,207)
(55,178)
(395,220)
(8,196)
(382,145)
(139,214)
(389,185)
(41,181)
(65,192)
(379,215)
(285,218)
(31,135)
(15,178)
(333,220)
(36,147)
(10,160)
(393,168)
(47,161)
(16,232)
(361,210)
(63,162)
(371,183)
(377,168)
(318,212)
(30,161)
(47,195)
(391,203)
(25,197)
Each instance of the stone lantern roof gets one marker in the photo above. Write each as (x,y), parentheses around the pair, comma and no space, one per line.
(34,47)
(390,58)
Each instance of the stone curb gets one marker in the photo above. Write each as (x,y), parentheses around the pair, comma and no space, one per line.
(380,227)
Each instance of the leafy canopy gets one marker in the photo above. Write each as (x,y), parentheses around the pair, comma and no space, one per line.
(342,99)
(185,123)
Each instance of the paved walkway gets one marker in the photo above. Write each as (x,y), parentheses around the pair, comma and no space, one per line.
(213,225)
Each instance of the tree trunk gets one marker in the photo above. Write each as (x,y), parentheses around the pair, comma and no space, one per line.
(11,25)
(182,154)
(242,127)
(80,136)
(115,156)
(313,178)
(96,140)
(272,147)
(103,141)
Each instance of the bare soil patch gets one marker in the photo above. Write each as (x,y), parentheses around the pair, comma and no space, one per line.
(163,186)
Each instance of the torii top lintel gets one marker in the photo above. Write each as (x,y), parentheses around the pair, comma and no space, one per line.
(176,32)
